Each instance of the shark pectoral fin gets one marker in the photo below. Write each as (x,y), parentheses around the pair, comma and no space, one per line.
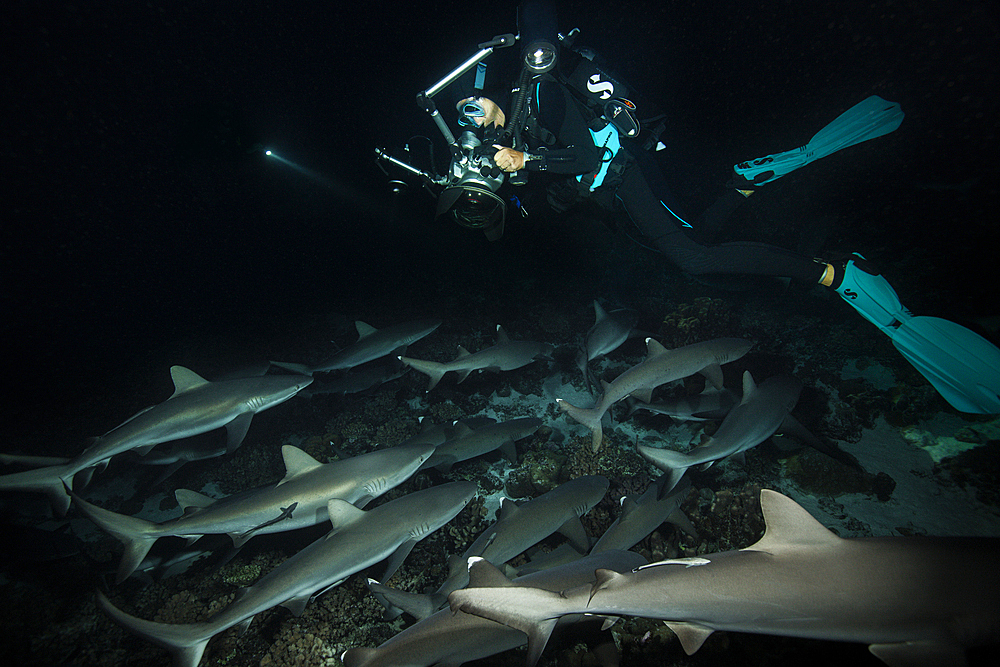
(691,635)
(680,520)
(574,532)
(418,605)
(919,654)
(236,430)
(396,559)
(538,637)
(297,604)
(643,395)
(509,451)
(243,626)
(713,373)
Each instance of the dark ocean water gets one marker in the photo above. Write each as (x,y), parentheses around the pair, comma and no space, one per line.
(144,228)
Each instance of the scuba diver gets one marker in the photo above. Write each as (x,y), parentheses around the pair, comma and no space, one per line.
(569,116)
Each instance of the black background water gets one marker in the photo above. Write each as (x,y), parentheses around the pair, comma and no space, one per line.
(139,232)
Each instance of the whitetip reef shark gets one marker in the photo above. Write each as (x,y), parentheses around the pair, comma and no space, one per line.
(661,366)
(444,638)
(916,601)
(358,540)
(306,487)
(506,355)
(196,406)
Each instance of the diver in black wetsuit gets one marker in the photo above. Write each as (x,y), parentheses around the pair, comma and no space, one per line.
(562,124)
(615,173)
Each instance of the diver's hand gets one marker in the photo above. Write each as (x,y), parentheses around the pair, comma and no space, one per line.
(508,159)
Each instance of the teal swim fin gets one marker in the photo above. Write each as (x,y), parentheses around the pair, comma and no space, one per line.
(963,366)
(868,119)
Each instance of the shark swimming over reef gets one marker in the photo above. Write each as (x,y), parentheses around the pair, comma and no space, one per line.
(358,540)
(372,344)
(759,415)
(196,406)
(518,528)
(610,330)
(506,355)
(446,638)
(661,366)
(467,443)
(306,488)
(916,601)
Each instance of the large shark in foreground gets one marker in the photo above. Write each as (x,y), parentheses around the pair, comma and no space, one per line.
(358,540)
(451,639)
(661,366)
(196,406)
(913,600)
(298,500)
(506,355)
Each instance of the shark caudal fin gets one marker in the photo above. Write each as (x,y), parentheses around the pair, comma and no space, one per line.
(132,532)
(589,418)
(47,480)
(432,369)
(485,594)
(186,642)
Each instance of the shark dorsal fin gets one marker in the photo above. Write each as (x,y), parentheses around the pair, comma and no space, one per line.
(342,513)
(787,523)
(185,379)
(599,313)
(297,462)
(502,338)
(462,352)
(483,574)
(508,508)
(654,349)
(188,499)
(364,330)
(749,386)
(628,504)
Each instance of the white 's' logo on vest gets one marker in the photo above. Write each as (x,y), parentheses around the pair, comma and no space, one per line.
(605,88)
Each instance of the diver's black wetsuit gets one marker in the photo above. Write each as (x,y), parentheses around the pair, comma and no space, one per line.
(575,153)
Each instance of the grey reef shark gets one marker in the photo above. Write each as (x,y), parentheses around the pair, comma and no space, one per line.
(660,366)
(358,539)
(196,406)
(306,487)
(916,601)
(372,344)
(506,355)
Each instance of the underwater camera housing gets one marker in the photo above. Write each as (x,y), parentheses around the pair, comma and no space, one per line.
(467,191)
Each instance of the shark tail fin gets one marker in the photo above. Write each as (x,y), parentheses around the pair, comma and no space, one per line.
(432,369)
(587,417)
(132,532)
(531,619)
(186,642)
